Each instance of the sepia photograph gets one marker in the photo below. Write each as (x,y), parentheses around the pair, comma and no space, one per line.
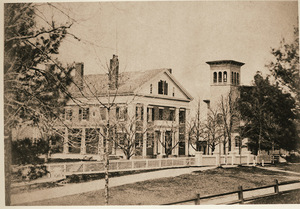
(152,103)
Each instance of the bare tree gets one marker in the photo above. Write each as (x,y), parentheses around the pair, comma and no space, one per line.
(196,129)
(213,129)
(229,114)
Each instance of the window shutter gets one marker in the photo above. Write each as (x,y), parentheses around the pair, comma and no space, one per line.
(87,113)
(166,88)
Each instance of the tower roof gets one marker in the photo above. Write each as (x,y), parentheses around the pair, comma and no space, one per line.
(219,62)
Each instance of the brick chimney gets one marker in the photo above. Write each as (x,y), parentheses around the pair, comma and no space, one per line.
(113,73)
(78,78)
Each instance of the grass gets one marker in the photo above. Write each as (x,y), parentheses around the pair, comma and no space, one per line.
(291,197)
(295,167)
(165,190)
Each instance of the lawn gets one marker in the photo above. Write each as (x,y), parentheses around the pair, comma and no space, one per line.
(295,167)
(292,197)
(165,190)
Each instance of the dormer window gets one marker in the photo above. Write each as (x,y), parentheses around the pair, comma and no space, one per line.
(150,88)
(163,87)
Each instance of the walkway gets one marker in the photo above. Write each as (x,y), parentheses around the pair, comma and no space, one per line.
(71,189)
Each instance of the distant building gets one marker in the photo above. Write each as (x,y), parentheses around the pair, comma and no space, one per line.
(154,99)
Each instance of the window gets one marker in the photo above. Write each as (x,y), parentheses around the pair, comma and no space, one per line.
(139,112)
(103,113)
(150,139)
(237,141)
(163,87)
(225,77)
(160,114)
(237,78)
(215,77)
(121,113)
(84,113)
(150,88)
(69,114)
(182,116)
(138,144)
(173,92)
(219,118)
(220,77)
(172,115)
(232,77)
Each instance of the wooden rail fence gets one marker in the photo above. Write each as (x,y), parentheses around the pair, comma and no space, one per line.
(240,199)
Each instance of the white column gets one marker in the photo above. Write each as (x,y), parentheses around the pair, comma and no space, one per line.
(187,117)
(66,142)
(144,154)
(176,135)
(83,146)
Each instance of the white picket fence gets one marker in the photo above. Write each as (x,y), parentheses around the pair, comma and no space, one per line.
(63,169)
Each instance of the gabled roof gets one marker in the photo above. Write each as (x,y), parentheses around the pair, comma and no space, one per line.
(129,83)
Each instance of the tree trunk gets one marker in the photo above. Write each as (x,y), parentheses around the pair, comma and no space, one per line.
(106,163)
(7,156)
(220,147)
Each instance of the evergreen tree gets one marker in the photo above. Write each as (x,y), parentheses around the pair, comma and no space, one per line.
(31,94)
(268,116)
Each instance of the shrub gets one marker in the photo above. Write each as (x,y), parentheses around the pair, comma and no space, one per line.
(33,172)
(293,158)
(26,151)
(74,178)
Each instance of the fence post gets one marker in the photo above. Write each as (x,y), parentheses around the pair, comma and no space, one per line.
(147,163)
(254,162)
(276,187)
(262,163)
(65,170)
(240,194)
(248,159)
(197,202)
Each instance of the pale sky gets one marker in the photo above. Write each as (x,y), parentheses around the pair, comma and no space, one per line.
(178,35)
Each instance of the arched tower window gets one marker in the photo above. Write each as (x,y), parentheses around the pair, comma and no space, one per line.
(220,77)
(238,78)
(232,78)
(215,77)
(225,77)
